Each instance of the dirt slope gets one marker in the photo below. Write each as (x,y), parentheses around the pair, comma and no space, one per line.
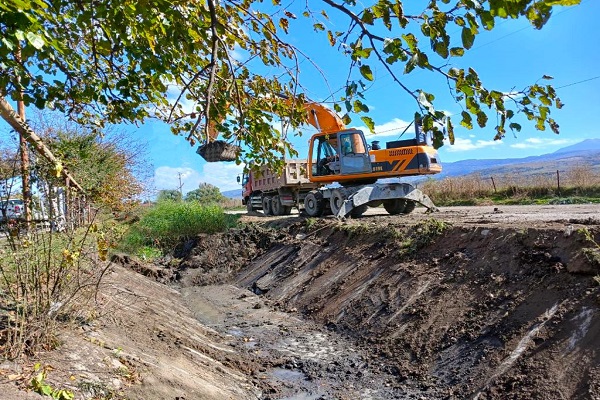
(449,310)
(477,303)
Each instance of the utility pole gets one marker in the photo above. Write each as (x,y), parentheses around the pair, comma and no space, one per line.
(180,185)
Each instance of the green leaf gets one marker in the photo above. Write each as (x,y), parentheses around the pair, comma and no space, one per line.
(442,49)
(487,20)
(467,38)
(367,17)
(319,27)
(331,38)
(450,130)
(515,127)
(411,64)
(411,41)
(457,51)
(346,119)
(467,121)
(482,119)
(366,72)
(359,106)
(368,121)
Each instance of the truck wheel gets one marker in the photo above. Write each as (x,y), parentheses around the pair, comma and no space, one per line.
(313,204)
(410,206)
(266,204)
(277,207)
(336,201)
(249,207)
(394,206)
(358,211)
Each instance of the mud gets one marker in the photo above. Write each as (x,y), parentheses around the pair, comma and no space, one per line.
(469,303)
(430,308)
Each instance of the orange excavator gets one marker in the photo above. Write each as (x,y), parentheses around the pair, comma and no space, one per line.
(338,155)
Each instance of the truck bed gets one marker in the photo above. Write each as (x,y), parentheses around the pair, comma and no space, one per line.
(294,175)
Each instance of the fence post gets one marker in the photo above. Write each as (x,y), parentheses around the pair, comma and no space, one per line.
(558,181)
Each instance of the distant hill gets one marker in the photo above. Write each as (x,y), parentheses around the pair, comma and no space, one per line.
(585,153)
(233,194)
(586,145)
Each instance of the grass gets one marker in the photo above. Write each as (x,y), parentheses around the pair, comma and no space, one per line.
(166,224)
(577,185)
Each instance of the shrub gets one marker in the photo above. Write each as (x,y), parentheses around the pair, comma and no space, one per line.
(47,277)
(168,223)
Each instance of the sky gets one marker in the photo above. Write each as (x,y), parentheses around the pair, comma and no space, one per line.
(512,56)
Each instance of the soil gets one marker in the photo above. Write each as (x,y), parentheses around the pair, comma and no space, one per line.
(478,302)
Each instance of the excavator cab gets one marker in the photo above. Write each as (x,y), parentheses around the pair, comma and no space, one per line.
(338,156)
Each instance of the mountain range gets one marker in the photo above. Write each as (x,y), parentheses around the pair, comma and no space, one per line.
(585,153)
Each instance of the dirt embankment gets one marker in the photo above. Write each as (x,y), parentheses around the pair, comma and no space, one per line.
(411,307)
(441,311)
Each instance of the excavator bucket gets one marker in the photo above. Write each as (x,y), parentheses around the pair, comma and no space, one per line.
(378,192)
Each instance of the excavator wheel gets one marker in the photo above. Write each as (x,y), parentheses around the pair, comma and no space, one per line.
(313,204)
(410,206)
(395,206)
(358,211)
(336,201)
(266,204)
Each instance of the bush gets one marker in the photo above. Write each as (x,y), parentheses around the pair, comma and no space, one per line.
(47,278)
(168,223)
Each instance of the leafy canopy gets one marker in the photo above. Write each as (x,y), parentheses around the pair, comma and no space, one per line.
(104,62)
(205,194)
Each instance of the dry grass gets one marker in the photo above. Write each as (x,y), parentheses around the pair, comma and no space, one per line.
(477,189)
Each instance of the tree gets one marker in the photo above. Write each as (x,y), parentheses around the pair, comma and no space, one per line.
(169,195)
(205,194)
(107,62)
(107,166)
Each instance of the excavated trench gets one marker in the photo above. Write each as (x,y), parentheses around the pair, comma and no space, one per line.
(384,310)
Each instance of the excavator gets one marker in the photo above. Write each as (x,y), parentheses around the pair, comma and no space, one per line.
(339,156)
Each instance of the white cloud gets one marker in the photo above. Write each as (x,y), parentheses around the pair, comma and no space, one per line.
(461,144)
(392,128)
(539,143)
(221,174)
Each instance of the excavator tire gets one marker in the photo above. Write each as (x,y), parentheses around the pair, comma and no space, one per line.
(336,201)
(358,211)
(313,204)
(410,206)
(266,204)
(396,206)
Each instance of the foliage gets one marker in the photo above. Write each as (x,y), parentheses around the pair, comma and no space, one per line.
(46,277)
(205,194)
(168,223)
(38,385)
(168,195)
(104,168)
(111,62)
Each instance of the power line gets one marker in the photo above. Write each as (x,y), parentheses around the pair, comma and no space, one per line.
(578,82)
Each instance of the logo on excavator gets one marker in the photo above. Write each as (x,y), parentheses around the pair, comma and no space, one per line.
(400,152)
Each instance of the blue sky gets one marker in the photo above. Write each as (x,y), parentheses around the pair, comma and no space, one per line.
(511,56)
